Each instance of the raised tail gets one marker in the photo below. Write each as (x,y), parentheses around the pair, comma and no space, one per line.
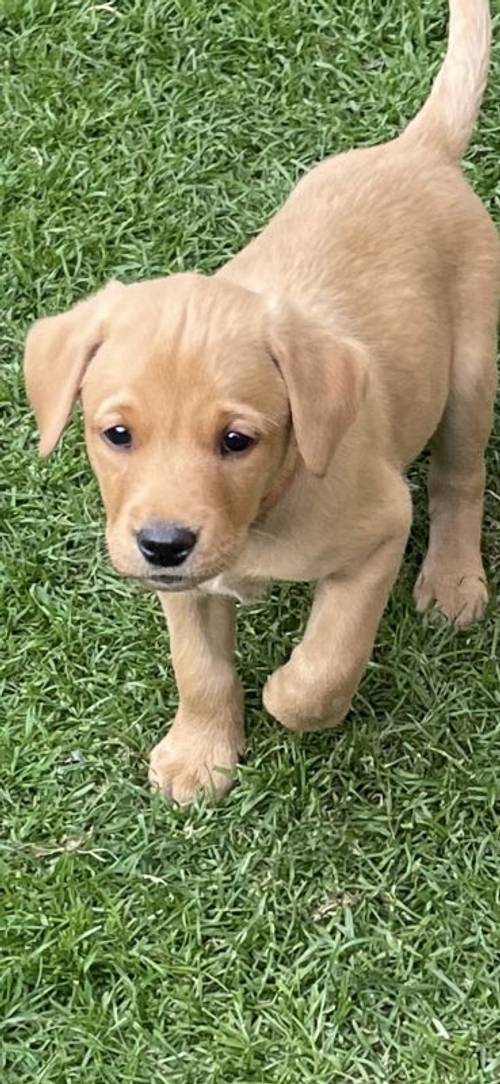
(447,118)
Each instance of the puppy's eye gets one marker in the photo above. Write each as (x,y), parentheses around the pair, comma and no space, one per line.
(233,442)
(118,435)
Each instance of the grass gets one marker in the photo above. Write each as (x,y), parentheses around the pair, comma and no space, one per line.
(337,918)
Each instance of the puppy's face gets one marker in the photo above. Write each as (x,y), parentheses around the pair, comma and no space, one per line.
(186,421)
(188,385)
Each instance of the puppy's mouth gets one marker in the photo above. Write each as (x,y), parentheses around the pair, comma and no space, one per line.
(169,582)
(179,579)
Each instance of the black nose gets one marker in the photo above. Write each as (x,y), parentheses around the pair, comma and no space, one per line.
(165,544)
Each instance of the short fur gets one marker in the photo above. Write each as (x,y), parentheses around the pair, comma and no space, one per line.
(359,326)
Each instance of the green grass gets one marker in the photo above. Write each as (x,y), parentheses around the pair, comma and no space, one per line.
(337,918)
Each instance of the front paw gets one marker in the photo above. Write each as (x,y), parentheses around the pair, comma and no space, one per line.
(301,700)
(195,757)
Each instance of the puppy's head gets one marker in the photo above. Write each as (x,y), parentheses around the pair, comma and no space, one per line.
(190,388)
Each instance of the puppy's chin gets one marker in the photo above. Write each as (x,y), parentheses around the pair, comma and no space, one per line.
(162,582)
(169,583)
(179,581)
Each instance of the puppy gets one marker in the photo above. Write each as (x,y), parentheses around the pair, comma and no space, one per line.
(255,425)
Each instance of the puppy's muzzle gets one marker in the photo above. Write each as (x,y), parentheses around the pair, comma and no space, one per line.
(166,545)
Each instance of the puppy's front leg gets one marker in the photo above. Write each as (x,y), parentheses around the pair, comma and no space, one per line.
(206,738)
(315,688)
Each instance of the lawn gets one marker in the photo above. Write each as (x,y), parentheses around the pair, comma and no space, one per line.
(337,918)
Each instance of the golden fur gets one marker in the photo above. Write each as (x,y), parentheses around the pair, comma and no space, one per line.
(357,327)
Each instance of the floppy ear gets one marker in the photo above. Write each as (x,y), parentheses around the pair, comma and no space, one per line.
(325,376)
(58,350)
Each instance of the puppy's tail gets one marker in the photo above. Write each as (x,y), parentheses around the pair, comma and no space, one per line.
(447,118)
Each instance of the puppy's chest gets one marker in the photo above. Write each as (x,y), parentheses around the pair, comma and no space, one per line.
(244,590)
(266,559)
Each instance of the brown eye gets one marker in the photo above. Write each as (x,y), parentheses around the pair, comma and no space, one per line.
(118,435)
(233,442)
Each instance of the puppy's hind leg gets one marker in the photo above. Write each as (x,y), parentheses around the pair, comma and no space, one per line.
(452,577)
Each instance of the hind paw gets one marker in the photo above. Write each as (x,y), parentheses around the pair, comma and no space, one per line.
(460,596)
